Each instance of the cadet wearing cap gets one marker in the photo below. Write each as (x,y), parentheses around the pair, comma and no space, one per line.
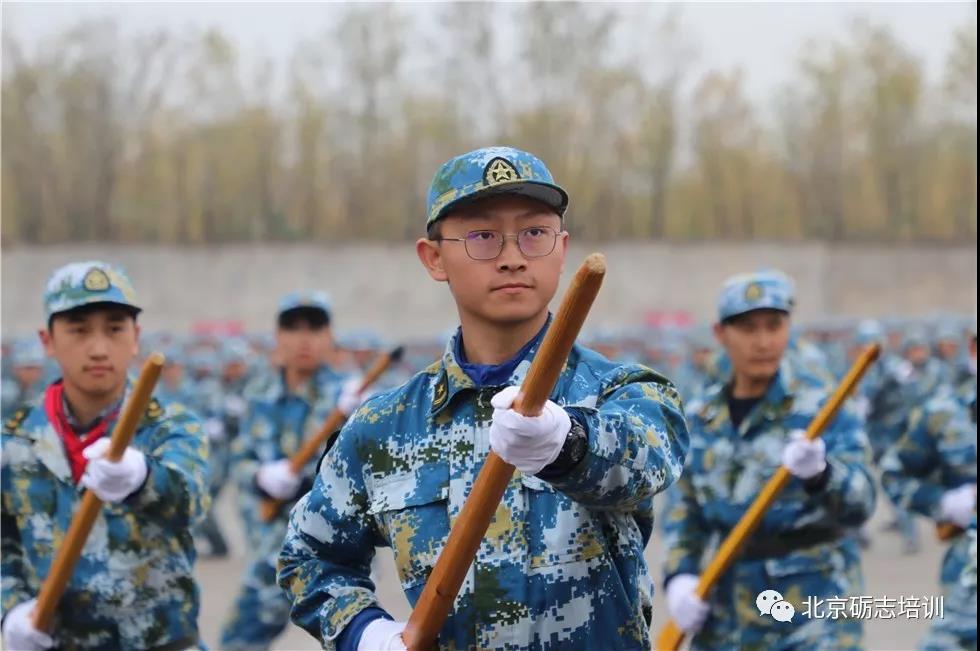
(932,470)
(742,430)
(27,375)
(562,565)
(291,406)
(133,587)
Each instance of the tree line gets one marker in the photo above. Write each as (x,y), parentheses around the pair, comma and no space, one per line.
(191,138)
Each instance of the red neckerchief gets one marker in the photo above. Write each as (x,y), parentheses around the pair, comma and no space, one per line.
(54,407)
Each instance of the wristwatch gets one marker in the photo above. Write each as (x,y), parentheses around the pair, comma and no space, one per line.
(574,449)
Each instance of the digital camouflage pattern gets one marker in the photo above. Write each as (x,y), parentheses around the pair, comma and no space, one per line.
(561,565)
(756,290)
(316,299)
(84,283)
(938,452)
(133,587)
(276,423)
(492,170)
(726,470)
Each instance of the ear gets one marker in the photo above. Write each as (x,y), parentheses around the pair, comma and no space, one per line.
(719,332)
(136,340)
(45,336)
(562,246)
(430,255)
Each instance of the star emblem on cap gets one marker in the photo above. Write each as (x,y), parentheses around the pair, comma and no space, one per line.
(96,280)
(499,170)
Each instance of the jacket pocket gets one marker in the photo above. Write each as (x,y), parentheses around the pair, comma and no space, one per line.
(559,530)
(412,512)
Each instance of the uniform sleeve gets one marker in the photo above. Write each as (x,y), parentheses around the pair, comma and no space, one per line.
(176,488)
(325,562)
(638,440)
(847,497)
(245,459)
(936,451)
(685,532)
(12,566)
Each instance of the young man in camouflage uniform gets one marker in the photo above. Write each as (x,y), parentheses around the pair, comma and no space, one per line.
(742,430)
(133,587)
(932,470)
(290,408)
(561,565)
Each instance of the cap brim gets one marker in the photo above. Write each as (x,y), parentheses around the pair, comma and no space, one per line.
(760,308)
(551,195)
(303,308)
(106,304)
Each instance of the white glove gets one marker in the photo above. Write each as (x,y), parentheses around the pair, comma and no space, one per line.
(215,429)
(235,406)
(862,407)
(957,505)
(351,396)
(19,633)
(527,442)
(113,482)
(382,635)
(278,480)
(804,459)
(684,605)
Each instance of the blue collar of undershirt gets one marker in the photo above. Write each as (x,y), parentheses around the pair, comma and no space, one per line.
(490,375)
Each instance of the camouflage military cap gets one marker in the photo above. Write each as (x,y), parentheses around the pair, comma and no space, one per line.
(915,336)
(174,354)
(869,331)
(203,360)
(85,283)
(235,350)
(316,299)
(758,290)
(947,330)
(27,352)
(489,171)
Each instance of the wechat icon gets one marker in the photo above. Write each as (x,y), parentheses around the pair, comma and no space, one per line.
(770,602)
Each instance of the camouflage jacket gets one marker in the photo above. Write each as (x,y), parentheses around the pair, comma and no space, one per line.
(728,467)
(936,453)
(275,425)
(561,565)
(133,587)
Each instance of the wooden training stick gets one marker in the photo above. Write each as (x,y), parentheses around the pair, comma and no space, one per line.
(464,539)
(947,531)
(84,518)
(671,636)
(313,445)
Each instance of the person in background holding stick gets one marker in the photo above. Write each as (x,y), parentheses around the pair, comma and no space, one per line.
(932,471)
(133,587)
(562,563)
(742,430)
(277,420)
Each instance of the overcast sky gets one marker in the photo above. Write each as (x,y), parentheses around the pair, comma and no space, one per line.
(763,38)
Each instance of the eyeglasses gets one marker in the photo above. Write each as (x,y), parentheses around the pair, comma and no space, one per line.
(533,242)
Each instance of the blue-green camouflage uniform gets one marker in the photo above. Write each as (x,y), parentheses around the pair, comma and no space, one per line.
(802,548)
(726,470)
(133,587)
(276,423)
(561,565)
(938,452)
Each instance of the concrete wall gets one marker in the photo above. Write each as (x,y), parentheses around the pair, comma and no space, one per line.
(385,287)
